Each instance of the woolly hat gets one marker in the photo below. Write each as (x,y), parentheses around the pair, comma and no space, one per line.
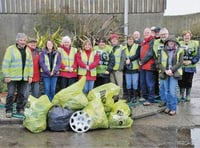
(114,35)
(172,39)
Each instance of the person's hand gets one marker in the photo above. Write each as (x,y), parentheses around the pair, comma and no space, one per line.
(128,61)
(30,80)
(51,74)
(169,72)
(7,80)
(66,68)
(140,63)
(71,69)
(87,67)
(187,62)
(107,72)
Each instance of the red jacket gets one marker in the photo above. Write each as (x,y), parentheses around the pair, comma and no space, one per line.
(68,74)
(36,64)
(147,54)
(91,66)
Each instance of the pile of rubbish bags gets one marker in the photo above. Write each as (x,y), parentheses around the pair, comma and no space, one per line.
(71,109)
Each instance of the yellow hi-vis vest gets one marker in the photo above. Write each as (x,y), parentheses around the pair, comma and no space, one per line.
(190,51)
(164,58)
(131,53)
(46,61)
(157,45)
(83,71)
(66,59)
(12,64)
(118,54)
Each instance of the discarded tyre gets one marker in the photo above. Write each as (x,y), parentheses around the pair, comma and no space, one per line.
(80,122)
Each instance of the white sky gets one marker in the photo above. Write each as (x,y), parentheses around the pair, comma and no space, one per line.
(182,7)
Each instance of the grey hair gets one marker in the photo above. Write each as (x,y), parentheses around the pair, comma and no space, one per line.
(20,35)
(164,30)
(66,38)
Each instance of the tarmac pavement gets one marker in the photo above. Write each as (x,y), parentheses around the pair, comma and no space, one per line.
(188,113)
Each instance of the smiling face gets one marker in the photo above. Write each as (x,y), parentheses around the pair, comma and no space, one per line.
(21,42)
(49,45)
(88,45)
(67,44)
(147,32)
(187,37)
(32,45)
(130,41)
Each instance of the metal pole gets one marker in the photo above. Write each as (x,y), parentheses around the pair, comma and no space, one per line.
(126,17)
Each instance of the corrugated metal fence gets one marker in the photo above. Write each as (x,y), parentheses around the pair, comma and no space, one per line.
(81,6)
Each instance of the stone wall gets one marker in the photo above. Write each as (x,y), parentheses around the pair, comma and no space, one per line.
(11,24)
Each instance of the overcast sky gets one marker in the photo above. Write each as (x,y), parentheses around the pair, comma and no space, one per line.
(182,7)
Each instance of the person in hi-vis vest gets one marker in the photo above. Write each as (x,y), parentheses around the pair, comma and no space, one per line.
(87,60)
(50,61)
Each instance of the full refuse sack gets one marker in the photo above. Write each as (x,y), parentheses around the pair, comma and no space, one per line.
(58,118)
(119,116)
(72,97)
(35,113)
(105,93)
(95,109)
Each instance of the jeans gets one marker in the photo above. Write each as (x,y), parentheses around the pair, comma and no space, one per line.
(22,90)
(132,80)
(34,88)
(170,89)
(50,86)
(89,84)
(147,84)
(162,90)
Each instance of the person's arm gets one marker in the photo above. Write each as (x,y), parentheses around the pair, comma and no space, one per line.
(42,64)
(95,63)
(58,63)
(111,63)
(150,54)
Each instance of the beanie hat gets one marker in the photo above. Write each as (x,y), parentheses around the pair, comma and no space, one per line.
(114,35)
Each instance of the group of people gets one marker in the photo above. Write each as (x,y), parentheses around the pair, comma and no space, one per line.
(154,65)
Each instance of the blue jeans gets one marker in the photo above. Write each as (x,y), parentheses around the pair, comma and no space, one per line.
(22,90)
(162,90)
(50,86)
(89,84)
(132,80)
(170,89)
(147,84)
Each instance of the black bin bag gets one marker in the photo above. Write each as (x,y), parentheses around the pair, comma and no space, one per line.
(58,118)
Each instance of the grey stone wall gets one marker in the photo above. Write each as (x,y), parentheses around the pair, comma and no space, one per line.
(11,24)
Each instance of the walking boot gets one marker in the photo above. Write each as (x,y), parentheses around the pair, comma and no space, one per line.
(188,91)
(128,95)
(134,96)
(182,92)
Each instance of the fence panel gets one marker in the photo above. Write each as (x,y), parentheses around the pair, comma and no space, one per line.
(81,6)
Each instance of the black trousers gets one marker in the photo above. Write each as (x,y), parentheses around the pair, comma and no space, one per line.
(186,81)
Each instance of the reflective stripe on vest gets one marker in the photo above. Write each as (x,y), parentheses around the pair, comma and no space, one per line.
(46,61)
(118,54)
(164,59)
(83,71)
(68,60)
(131,53)
(12,64)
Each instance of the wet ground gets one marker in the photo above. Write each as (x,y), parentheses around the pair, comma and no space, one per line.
(138,136)
(153,130)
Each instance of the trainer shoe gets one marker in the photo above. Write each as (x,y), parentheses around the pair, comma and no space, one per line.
(8,115)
